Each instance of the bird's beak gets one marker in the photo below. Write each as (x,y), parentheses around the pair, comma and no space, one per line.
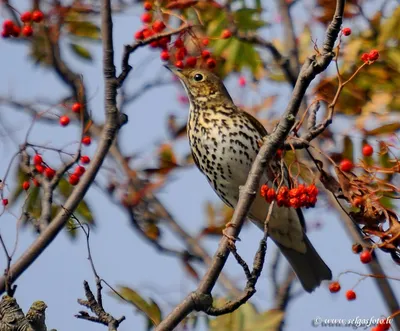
(176,71)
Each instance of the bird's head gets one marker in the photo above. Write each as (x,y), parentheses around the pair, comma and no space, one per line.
(202,85)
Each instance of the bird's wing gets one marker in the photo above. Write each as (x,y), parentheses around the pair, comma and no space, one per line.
(259,127)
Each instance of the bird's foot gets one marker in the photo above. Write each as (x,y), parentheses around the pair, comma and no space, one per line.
(231,239)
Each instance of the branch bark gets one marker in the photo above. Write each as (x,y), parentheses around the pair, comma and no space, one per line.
(201,299)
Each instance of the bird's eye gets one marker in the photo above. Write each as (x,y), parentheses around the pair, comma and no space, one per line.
(198,77)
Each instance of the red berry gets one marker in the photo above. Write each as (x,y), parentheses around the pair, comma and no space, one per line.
(35,182)
(312,190)
(26,17)
(293,193)
(64,120)
(4,202)
(139,35)
(39,168)
(373,55)
(226,34)
(357,201)
(164,41)
(146,17)
(5,34)
(334,287)
(205,41)
(179,64)
(164,55)
(264,190)
(366,257)
(158,26)
(49,173)
(365,57)
(76,107)
(154,44)
(86,140)
(294,202)
(178,43)
(147,33)
(37,159)
(8,26)
(73,179)
(346,31)
(16,31)
(205,54)
(383,325)
(367,150)
(191,61)
(211,63)
(271,195)
(37,16)
(242,81)
(181,53)
(147,5)
(85,159)
(351,295)
(346,165)
(27,31)
(26,185)
(79,171)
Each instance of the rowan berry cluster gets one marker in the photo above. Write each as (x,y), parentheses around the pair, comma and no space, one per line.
(297,197)
(12,29)
(370,57)
(42,168)
(176,52)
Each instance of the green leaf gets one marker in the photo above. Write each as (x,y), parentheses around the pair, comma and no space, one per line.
(384,158)
(34,204)
(384,129)
(248,19)
(348,148)
(301,170)
(269,320)
(81,52)
(390,28)
(246,318)
(387,203)
(151,310)
(84,211)
(84,29)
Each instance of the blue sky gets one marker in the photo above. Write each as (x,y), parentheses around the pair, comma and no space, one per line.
(120,255)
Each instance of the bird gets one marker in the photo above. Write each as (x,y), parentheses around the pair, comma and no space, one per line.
(224,141)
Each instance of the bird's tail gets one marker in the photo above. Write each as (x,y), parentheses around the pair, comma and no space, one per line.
(309,267)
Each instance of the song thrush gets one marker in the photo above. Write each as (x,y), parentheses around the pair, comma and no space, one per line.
(224,141)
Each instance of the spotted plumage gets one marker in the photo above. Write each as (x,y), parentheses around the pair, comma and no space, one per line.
(224,141)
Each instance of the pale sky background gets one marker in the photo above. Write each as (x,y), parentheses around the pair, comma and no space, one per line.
(120,255)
